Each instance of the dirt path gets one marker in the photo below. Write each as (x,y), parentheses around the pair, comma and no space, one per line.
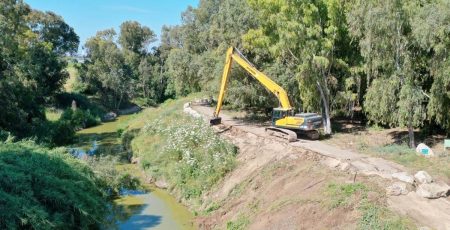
(434,213)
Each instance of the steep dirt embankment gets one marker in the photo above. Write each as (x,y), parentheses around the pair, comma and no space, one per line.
(275,187)
(310,185)
(280,186)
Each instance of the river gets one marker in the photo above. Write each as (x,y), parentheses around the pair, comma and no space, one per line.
(150,209)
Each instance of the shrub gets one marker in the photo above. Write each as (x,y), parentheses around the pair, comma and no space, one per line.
(62,133)
(80,119)
(44,189)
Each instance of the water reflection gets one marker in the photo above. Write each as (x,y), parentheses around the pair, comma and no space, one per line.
(137,209)
(81,154)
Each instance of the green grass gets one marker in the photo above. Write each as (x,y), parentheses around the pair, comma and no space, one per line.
(343,194)
(179,149)
(53,114)
(402,154)
(377,217)
(375,127)
(47,189)
(374,215)
(240,223)
(395,149)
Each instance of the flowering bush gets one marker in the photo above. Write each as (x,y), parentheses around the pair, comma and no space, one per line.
(188,153)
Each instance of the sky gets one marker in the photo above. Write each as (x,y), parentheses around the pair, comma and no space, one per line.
(89,16)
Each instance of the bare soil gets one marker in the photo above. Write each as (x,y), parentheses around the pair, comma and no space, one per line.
(280,185)
(277,187)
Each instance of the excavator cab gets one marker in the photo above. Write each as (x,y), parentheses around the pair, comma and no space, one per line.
(279,113)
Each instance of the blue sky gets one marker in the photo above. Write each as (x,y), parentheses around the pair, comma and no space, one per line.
(89,16)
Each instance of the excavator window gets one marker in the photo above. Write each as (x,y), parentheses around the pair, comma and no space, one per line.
(276,114)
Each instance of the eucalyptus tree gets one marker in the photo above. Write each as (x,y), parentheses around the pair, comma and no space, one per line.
(431,20)
(106,69)
(311,37)
(392,63)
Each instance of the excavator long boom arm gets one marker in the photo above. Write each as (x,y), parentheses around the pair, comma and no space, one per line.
(234,55)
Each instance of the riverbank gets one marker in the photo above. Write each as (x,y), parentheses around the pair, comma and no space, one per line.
(150,208)
(268,185)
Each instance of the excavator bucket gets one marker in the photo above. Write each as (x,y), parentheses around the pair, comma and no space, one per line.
(215,121)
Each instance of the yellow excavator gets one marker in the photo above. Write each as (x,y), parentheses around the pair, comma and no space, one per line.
(285,123)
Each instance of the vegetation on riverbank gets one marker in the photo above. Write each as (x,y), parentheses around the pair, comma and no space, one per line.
(178,149)
(43,188)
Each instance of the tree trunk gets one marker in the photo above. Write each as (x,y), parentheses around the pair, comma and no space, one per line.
(327,121)
(412,143)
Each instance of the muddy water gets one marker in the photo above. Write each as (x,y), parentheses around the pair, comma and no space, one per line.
(150,209)
(153,210)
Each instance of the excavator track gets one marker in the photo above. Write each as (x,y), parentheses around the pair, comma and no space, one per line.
(287,134)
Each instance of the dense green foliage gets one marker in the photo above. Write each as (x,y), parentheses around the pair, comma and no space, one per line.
(43,189)
(332,56)
(32,69)
(119,69)
(79,119)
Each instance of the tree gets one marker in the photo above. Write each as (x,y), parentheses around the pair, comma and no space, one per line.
(431,30)
(106,70)
(311,37)
(394,95)
(152,80)
(135,38)
(52,28)
(182,71)
(31,64)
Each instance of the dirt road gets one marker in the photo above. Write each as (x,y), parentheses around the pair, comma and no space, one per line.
(434,213)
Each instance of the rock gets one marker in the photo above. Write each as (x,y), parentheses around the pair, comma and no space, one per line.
(423,177)
(397,189)
(433,190)
(111,116)
(403,176)
(161,184)
(331,162)
(187,109)
(202,102)
(423,150)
